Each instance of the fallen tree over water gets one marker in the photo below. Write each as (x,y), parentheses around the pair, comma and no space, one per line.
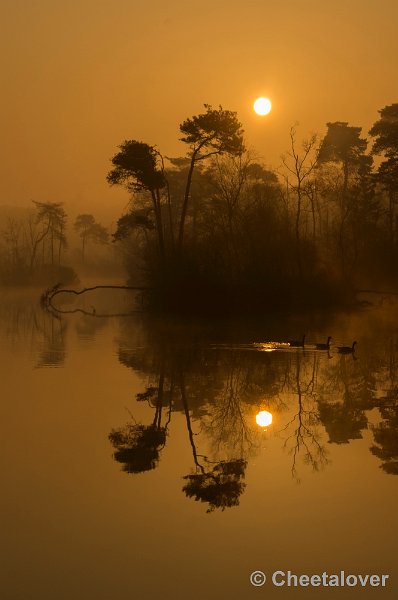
(46,299)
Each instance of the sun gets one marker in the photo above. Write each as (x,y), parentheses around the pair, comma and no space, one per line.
(262,106)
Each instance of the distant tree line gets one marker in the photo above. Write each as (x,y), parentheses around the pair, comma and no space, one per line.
(32,247)
(217,229)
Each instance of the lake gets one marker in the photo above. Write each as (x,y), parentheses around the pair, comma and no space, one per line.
(133,465)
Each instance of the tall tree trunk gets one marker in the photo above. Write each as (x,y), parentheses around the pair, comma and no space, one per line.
(298,241)
(158,218)
(185,203)
(391,214)
(60,245)
(35,247)
(188,421)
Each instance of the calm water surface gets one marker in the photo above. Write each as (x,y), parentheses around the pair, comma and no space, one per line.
(133,466)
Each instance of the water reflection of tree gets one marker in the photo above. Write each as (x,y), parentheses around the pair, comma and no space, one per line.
(342,423)
(386,438)
(219,388)
(52,348)
(391,369)
(138,446)
(360,386)
(302,430)
(227,421)
(24,321)
(386,433)
(245,382)
(345,395)
(219,486)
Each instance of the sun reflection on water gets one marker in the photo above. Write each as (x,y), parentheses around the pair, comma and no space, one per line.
(264,418)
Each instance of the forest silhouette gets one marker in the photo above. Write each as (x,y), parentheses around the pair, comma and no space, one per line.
(217,232)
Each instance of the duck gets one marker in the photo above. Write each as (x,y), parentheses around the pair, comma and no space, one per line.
(324,346)
(297,343)
(347,349)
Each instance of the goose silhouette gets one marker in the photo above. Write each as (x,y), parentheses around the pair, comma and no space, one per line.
(324,346)
(297,343)
(347,349)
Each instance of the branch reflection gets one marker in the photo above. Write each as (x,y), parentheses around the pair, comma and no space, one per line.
(315,398)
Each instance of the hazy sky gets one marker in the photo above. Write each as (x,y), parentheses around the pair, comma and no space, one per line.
(81,76)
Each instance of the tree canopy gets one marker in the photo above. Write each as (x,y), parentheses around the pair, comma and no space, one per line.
(138,446)
(214,228)
(385,130)
(215,131)
(89,229)
(219,488)
(139,167)
(342,143)
(136,167)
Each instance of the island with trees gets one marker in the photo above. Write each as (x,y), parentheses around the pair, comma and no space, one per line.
(218,232)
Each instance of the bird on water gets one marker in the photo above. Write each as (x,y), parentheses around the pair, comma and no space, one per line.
(324,346)
(297,343)
(347,349)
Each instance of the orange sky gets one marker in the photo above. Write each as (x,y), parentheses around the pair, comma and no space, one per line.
(80,76)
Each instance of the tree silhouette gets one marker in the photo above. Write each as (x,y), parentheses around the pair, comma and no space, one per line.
(139,167)
(89,229)
(342,143)
(385,132)
(52,217)
(301,168)
(217,131)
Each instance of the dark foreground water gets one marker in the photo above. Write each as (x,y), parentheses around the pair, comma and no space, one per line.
(132,465)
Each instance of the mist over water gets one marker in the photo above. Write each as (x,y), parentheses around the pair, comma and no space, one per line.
(133,463)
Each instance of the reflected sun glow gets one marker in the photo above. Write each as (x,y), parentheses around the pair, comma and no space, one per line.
(263,418)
